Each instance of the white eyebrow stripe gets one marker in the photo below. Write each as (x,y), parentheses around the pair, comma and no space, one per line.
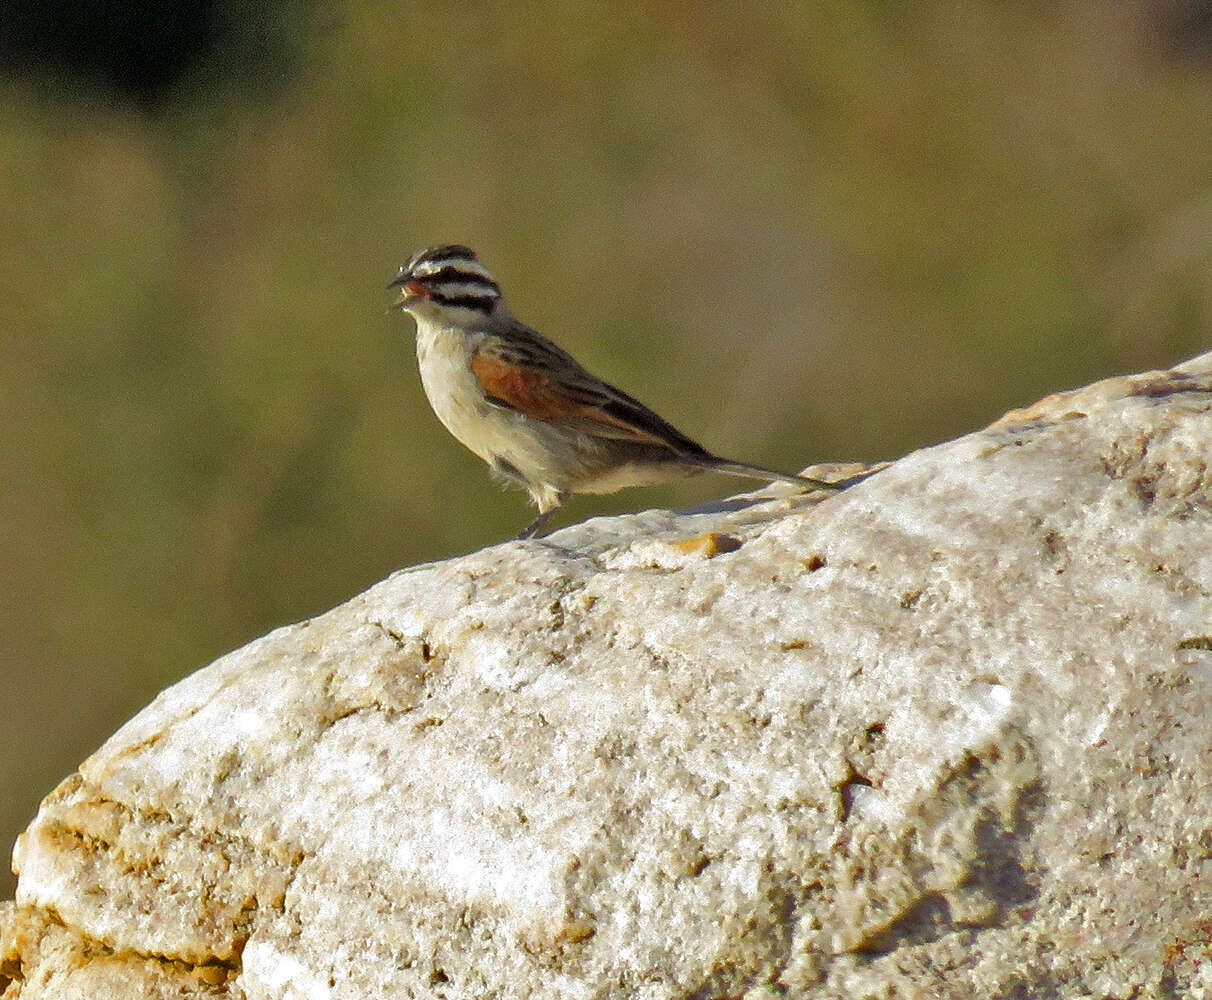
(465,289)
(428,267)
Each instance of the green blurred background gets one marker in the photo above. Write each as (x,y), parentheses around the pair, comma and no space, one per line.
(802,232)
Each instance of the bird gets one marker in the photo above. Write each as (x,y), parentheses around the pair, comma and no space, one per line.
(525,406)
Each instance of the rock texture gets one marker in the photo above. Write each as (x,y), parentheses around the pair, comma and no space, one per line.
(946,734)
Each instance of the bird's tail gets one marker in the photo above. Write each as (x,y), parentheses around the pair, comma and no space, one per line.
(746,471)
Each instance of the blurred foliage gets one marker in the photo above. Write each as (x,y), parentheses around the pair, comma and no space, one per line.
(142,51)
(802,232)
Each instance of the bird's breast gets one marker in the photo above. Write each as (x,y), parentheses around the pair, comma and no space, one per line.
(444,360)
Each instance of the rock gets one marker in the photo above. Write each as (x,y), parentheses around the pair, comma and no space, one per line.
(945,734)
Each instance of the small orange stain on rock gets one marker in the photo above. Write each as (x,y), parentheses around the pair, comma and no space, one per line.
(708,545)
(212,975)
(575,930)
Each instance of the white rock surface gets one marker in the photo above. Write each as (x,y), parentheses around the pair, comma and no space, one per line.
(946,734)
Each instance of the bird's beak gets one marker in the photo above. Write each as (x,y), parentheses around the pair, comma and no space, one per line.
(409,290)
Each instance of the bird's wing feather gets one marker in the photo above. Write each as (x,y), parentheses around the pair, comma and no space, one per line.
(528,373)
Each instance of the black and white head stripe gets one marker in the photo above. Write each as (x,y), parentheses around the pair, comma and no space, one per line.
(445,252)
(452,276)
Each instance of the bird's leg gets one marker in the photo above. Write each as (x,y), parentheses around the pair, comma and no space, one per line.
(534,527)
(548,503)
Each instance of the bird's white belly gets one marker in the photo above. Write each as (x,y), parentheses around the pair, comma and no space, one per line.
(543,455)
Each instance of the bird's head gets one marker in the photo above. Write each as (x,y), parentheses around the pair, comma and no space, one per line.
(447,283)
